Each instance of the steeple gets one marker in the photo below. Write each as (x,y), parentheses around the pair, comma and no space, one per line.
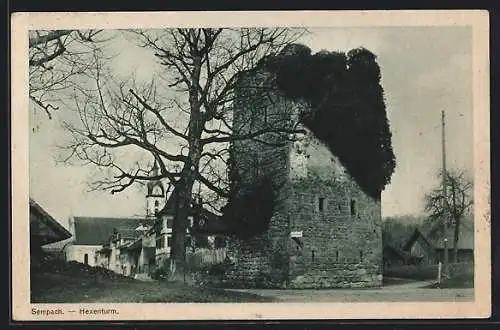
(155,196)
(154,170)
(155,186)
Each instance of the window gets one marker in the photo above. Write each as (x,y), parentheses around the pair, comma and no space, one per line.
(353,207)
(86,259)
(169,241)
(313,255)
(160,242)
(170,221)
(157,203)
(321,204)
(336,255)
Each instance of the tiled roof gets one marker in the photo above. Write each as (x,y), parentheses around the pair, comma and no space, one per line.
(98,230)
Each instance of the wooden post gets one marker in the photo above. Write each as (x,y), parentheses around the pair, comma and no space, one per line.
(445,220)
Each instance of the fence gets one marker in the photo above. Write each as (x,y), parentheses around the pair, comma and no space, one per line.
(203,257)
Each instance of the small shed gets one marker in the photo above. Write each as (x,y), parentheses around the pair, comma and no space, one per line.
(394,256)
(44,229)
(430,246)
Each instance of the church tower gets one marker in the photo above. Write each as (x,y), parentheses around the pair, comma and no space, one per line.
(155,197)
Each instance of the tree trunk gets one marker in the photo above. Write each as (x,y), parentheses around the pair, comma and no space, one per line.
(185,186)
(180,224)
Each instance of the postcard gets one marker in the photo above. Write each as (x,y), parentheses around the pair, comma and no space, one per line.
(250,165)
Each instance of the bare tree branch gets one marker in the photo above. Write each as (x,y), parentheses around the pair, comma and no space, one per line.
(56,59)
(204,69)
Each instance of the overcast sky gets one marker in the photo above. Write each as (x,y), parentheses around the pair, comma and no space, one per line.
(424,71)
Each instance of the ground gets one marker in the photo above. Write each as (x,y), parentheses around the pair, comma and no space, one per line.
(63,287)
(402,292)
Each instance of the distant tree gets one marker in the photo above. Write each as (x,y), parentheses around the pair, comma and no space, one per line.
(55,57)
(451,206)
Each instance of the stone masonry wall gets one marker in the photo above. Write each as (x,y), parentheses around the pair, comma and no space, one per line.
(262,261)
(337,248)
(341,244)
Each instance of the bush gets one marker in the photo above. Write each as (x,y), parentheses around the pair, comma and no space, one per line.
(265,280)
(459,274)
(160,274)
(77,269)
(213,274)
(421,272)
(220,268)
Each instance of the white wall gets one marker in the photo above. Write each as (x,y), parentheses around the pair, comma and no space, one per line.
(150,204)
(114,259)
(77,253)
(309,155)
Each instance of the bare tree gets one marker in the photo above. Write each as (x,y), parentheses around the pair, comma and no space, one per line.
(451,206)
(55,57)
(203,70)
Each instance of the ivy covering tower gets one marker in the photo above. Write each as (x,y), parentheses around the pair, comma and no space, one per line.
(305,209)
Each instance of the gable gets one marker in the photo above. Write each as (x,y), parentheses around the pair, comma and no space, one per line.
(420,248)
(417,236)
(97,230)
(44,229)
(430,237)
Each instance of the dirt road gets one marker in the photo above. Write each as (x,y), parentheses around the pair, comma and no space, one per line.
(401,292)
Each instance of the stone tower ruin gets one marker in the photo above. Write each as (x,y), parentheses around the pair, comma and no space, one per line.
(324,230)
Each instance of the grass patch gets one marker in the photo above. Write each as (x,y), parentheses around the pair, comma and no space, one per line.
(451,284)
(90,288)
(459,278)
(386,281)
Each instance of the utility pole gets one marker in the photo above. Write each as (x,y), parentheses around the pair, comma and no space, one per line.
(445,219)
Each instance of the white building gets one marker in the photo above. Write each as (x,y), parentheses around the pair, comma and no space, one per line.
(91,233)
